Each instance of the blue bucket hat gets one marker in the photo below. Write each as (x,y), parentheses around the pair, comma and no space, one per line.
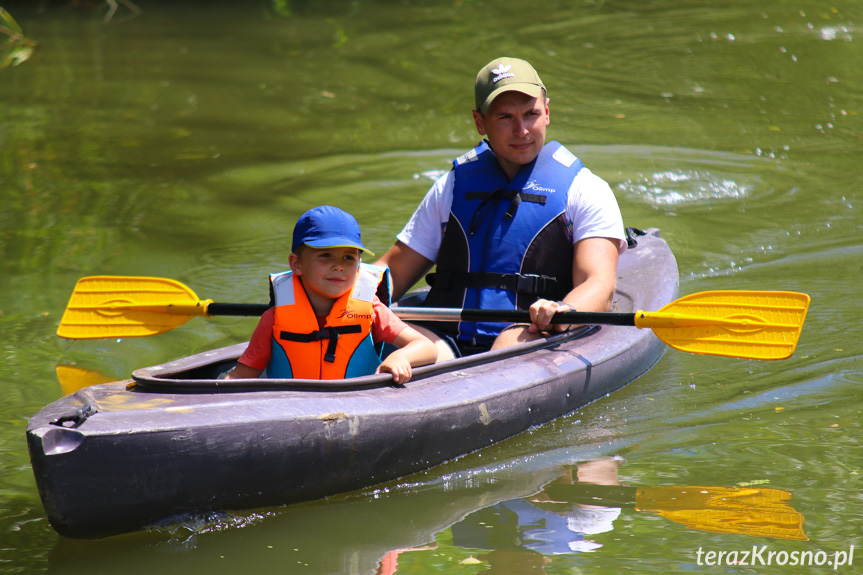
(328,227)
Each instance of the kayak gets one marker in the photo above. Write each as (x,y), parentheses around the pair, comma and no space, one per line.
(178,439)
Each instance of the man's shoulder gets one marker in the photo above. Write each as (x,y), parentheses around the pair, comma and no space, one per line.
(586,180)
(563,156)
(466,158)
(478,152)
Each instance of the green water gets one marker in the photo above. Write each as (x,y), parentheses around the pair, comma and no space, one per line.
(184,143)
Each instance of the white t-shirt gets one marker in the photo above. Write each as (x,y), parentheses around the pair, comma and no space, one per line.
(591,212)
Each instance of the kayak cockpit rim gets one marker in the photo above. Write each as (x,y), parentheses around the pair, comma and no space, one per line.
(164,377)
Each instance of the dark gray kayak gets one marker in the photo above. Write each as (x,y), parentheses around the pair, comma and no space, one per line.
(177,439)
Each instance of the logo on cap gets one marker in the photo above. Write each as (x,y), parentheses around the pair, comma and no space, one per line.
(502,72)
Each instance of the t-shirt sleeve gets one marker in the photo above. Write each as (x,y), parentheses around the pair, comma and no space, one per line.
(592,210)
(260,350)
(424,231)
(386,326)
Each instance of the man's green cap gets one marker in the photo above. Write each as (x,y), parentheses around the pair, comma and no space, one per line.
(504,75)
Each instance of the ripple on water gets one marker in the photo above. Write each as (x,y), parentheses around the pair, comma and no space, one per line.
(678,186)
(183,530)
(664,176)
(839,32)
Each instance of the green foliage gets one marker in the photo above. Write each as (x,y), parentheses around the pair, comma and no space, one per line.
(282,7)
(16,49)
(10,26)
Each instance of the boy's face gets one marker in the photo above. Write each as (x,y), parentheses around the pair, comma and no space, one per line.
(328,273)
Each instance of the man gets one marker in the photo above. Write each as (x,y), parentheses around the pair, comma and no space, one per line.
(516,223)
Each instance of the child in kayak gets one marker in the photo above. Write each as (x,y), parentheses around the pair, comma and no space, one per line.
(327,321)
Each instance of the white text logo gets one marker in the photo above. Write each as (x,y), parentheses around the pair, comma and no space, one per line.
(532,185)
(502,72)
(761,556)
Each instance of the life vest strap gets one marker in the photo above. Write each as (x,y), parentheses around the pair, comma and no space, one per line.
(330,333)
(507,194)
(515,198)
(539,285)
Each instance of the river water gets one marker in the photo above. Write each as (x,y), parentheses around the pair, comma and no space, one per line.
(184,142)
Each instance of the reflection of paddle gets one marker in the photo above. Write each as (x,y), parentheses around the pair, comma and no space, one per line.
(760,512)
(73,378)
(750,324)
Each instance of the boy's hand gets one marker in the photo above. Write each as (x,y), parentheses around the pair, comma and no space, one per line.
(398,365)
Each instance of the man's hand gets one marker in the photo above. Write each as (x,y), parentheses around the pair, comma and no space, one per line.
(541,313)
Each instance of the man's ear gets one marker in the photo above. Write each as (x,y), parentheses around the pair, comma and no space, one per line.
(294,262)
(478,122)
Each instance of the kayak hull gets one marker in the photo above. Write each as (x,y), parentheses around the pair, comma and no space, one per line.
(174,439)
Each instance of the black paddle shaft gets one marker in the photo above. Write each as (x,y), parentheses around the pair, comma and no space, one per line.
(453,314)
(523,316)
(242,309)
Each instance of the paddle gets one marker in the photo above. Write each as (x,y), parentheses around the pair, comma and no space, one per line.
(756,511)
(746,324)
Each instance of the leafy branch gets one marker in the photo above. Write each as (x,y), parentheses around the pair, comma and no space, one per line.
(16,49)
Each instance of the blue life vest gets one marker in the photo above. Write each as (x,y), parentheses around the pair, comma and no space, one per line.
(343,348)
(507,243)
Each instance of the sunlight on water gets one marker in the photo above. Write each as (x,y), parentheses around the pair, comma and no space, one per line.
(677,187)
(184,529)
(840,32)
(432,175)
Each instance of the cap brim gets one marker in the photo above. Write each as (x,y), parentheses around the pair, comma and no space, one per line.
(338,243)
(532,90)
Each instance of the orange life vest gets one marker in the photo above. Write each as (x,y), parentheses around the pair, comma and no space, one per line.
(343,347)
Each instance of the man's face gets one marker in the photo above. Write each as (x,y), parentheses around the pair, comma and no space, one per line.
(515,127)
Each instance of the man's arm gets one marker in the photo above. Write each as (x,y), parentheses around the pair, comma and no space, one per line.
(594,272)
(406,265)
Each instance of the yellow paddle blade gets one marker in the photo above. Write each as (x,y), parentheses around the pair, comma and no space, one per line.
(760,512)
(748,324)
(72,378)
(115,306)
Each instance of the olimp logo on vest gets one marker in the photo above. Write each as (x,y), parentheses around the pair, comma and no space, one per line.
(532,185)
(350,315)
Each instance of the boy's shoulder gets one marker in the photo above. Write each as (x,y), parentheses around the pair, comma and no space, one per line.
(383,313)
(374,281)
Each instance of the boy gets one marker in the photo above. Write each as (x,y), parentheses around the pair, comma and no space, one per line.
(327,319)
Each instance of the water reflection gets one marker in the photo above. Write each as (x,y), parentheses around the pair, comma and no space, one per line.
(511,524)
(550,522)
(517,535)
(73,378)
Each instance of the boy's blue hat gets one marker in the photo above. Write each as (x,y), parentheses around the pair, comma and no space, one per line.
(328,227)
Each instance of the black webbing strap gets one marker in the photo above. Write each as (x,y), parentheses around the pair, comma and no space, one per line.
(330,333)
(539,285)
(533,198)
(632,236)
(515,198)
